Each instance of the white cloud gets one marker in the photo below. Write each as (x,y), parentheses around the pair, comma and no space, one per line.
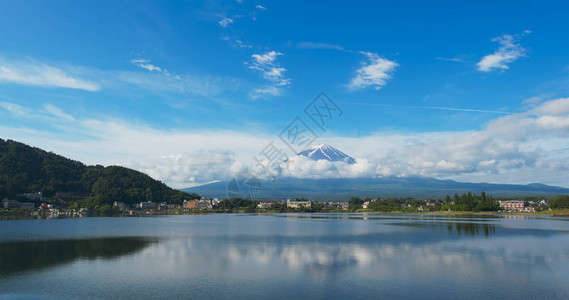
(236,43)
(145,64)
(509,51)
(253,13)
(225,22)
(17,110)
(558,107)
(39,74)
(158,79)
(535,100)
(267,64)
(57,112)
(531,146)
(527,147)
(179,158)
(373,73)
(266,58)
(240,44)
(265,92)
(49,113)
(300,166)
(191,168)
(185,84)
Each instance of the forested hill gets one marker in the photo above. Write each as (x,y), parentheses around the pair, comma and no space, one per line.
(25,169)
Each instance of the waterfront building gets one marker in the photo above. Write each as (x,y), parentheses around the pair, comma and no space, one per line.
(513,205)
(265,204)
(9,204)
(173,206)
(298,204)
(204,203)
(147,205)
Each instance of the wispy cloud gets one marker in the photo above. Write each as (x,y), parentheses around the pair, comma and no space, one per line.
(49,113)
(373,73)
(17,110)
(462,109)
(454,59)
(440,108)
(57,112)
(509,51)
(313,45)
(171,88)
(183,84)
(159,79)
(258,8)
(34,73)
(225,22)
(145,64)
(267,64)
(236,43)
(532,102)
(265,92)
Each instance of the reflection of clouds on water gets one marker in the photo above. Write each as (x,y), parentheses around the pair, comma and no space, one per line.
(247,257)
(322,257)
(383,256)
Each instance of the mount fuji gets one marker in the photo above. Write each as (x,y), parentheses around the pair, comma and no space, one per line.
(341,189)
(327,152)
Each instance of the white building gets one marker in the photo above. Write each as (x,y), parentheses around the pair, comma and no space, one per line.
(265,204)
(298,204)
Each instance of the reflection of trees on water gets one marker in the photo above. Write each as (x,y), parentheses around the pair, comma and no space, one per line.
(472,229)
(24,256)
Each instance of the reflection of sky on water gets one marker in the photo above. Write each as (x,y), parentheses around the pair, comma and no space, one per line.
(363,251)
(298,256)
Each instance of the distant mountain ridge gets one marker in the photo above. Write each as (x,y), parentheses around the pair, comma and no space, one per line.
(326,152)
(341,189)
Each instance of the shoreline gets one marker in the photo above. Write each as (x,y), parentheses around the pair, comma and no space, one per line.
(29,215)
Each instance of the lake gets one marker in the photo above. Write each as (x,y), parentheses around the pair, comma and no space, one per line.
(286,256)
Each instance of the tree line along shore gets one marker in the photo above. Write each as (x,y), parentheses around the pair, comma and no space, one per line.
(464,203)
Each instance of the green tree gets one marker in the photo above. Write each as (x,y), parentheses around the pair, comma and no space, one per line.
(559,202)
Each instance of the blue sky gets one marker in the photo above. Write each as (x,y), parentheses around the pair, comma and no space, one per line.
(187,90)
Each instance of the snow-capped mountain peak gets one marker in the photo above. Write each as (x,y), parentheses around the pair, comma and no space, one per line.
(326,152)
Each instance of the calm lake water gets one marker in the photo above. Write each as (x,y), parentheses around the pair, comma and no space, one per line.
(286,256)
